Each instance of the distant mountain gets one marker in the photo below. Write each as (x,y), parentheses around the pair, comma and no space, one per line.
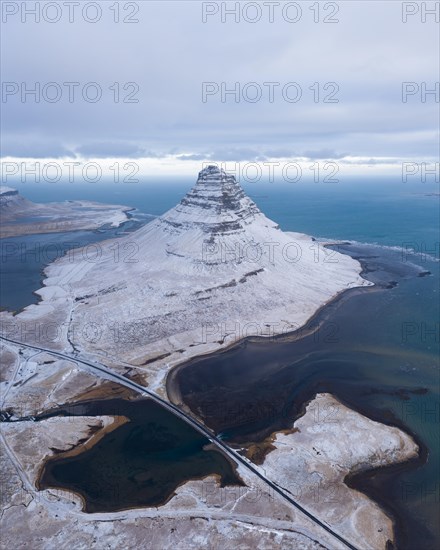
(20,216)
(12,203)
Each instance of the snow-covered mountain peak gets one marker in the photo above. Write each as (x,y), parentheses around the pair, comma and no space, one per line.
(216,205)
(216,175)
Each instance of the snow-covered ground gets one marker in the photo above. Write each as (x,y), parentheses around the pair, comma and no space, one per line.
(327,443)
(310,462)
(209,272)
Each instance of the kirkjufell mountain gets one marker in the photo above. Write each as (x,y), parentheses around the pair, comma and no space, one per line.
(213,224)
(211,270)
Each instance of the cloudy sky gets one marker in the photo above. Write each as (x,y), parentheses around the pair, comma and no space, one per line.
(345,104)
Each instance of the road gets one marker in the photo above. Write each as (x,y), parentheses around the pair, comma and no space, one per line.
(231,453)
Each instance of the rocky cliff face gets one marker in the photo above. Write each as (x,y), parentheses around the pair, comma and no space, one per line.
(212,224)
(216,204)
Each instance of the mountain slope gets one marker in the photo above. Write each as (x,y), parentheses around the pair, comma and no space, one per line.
(209,271)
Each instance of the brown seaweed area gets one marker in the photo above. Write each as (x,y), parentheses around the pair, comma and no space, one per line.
(313,325)
(258,450)
(105,390)
(376,483)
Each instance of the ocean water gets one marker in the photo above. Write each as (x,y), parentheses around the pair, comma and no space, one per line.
(394,341)
(385,211)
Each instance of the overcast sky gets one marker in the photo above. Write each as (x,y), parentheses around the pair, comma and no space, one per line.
(171,52)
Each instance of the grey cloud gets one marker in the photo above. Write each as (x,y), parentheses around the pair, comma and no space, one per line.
(237,154)
(373,161)
(201,156)
(32,148)
(112,150)
(280,153)
(324,154)
(370,119)
(226,155)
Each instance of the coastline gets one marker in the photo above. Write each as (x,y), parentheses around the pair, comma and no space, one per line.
(95,218)
(98,230)
(168,321)
(109,424)
(340,448)
(311,326)
(361,481)
(357,480)
(354,480)
(96,433)
(129,411)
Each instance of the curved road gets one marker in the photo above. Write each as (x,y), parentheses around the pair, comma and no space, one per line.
(189,420)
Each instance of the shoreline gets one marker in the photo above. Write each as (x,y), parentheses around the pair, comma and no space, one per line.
(97,433)
(102,230)
(308,328)
(12,228)
(321,314)
(311,326)
(357,481)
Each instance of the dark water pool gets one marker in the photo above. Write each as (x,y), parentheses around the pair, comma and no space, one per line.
(140,463)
